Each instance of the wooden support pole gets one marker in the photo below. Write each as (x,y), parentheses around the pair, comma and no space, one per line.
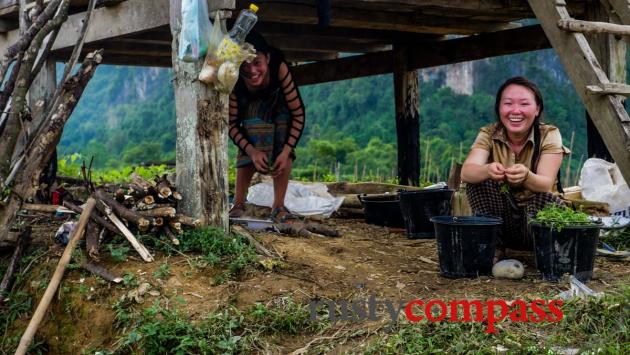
(38,316)
(407,96)
(202,137)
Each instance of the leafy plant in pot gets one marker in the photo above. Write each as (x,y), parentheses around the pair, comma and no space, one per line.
(565,242)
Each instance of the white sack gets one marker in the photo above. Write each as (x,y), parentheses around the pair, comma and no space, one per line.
(302,199)
(602,181)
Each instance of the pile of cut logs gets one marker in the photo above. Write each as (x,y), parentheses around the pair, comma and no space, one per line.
(146,206)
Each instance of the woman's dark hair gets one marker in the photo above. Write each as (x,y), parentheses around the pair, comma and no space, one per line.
(521,81)
(258,41)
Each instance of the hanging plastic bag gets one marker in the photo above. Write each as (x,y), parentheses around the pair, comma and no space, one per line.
(195,33)
(219,69)
(208,74)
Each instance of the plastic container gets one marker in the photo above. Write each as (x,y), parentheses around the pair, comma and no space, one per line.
(466,244)
(382,210)
(569,251)
(244,23)
(230,45)
(419,206)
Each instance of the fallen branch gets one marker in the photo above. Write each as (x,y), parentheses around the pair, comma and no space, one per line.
(40,312)
(170,235)
(186,220)
(131,216)
(159,212)
(257,245)
(17,255)
(95,217)
(91,239)
(141,249)
(101,271)
(45,208)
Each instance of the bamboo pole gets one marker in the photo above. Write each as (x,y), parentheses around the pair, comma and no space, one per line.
(77,234)
(577,175)
(567,173)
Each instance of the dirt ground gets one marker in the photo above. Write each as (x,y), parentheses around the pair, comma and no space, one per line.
(366,260)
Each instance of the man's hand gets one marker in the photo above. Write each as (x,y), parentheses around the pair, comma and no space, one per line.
(517,174)
(260,160)
(282,163)
(496,171)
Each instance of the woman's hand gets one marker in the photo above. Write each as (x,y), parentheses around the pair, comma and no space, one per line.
(282,163)
(496,171)
(517,174)
(260,160)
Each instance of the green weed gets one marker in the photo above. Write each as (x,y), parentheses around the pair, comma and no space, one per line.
(560,217)
(158,329)
(163,271)
(118,254)
(217,249)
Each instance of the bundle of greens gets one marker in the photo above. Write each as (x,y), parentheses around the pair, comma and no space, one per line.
(560,217)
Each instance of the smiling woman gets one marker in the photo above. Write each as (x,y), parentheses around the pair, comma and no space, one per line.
(266,122)
(513,165)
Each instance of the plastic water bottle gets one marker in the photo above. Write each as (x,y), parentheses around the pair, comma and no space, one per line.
(244,23)
(230,45)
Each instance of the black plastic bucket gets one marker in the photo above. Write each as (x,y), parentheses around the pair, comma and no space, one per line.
(382,210)
(466,244)
(419,206)
(569,251)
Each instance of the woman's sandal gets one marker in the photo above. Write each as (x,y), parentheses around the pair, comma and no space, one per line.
(238,210)
(282,215)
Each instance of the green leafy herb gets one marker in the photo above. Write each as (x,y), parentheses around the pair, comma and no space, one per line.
(560,217)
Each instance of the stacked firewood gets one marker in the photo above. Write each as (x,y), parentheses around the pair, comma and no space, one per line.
(142,205)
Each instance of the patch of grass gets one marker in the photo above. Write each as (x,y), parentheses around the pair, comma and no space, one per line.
(118,254)
(560,217)
(19,304)
(158,329)
(618,239)
(594,326)
(231,252)
(130,280)
(163,271)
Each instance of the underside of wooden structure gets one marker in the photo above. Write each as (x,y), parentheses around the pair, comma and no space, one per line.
(325,41)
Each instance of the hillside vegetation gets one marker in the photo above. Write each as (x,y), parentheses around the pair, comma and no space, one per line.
(127,117)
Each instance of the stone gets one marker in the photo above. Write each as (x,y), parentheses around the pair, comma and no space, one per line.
(508,269)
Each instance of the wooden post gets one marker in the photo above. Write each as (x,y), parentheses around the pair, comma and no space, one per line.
(202,139)
(610,51)
(406,93)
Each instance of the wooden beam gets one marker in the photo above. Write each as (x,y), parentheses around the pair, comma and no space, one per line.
(318,44)
(609,89)
(348,33)
(406,98)
(593,27)
(128,17)
(425,55)
(304,56)
(609,115)
(306,12)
